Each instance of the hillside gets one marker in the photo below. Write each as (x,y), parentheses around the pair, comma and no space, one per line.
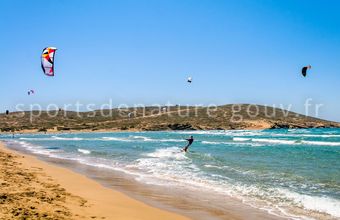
(165,118)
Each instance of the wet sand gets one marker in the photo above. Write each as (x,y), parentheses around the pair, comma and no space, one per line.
(34,189)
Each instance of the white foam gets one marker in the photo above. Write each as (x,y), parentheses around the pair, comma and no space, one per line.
(139,138)
(35,139)
(223,133)
(274,141)
(321,143)
(241,139)
(287,142)
(83,151)
(115,139)
(307,135)
(171,152)
(213,166)
(147,139)
(321,135)
(238,143)
(35,148)
(171,140)
(201,132)
(265,140)
(211,142)
(122,139)
(321,204)
(142,138)
(66,139)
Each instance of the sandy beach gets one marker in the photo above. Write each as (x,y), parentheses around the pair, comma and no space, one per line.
(34,189)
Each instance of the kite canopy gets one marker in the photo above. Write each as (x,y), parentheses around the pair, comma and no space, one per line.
(304,70)
(30,92)
(47,60)
(190,79)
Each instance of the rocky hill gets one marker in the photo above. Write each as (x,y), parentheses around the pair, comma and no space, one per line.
(225,117)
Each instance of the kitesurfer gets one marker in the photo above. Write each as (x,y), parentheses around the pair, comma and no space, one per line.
(190,141)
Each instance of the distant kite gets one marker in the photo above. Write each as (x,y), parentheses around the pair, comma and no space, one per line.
(30,92)
(47,60)
(189,79)
(304,70)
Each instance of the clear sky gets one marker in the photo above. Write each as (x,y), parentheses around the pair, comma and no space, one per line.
(237,51)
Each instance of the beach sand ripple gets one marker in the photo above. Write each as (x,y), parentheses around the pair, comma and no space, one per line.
(30,193)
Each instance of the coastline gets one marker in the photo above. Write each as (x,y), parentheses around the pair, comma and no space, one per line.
(70,175)
(194,184)
(187,207)
(70,195)
(140,173)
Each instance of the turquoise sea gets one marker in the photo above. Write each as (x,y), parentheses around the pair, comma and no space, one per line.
(289,173)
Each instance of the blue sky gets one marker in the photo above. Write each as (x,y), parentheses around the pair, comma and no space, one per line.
(142,52)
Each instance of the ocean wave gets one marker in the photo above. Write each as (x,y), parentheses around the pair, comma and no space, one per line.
(238,143)
(35,139)
(164,170)
(213,166)
(53,138)
(147,139)
(321,135)
(83,151)
(122,139)
(141,138)
(212,142)
(114,139)
(321,143)
(222,133)
(67,139)
(171,152)
(201,132)
(241,139)
(274,141)
(320,204)
(288,142)
(264,140)
(171,140)
(36,149)
(308,135)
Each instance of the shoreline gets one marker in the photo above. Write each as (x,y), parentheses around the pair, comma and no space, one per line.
(151,196)
(49,132)
(80,197)
(258,127)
